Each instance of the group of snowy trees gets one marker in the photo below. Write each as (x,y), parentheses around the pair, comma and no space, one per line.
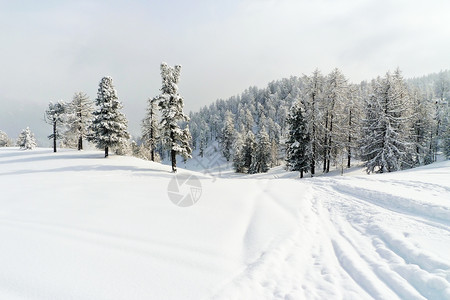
(5,141)
(70,121)
(312,122)
(25,140)
(106,126)
(323,124)
(315,122)
(164,127)
(169,128)
(171,107)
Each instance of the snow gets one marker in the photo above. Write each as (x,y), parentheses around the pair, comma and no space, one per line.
(74,225)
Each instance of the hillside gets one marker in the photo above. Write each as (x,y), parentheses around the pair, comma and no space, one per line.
(74,225)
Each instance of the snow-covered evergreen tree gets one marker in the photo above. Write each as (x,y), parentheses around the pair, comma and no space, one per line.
(312,97)
(79,118)
(248,120)
(298,142)
(150,128)
(274,159)
(109,126)
(55,115)
(423,126)
(176,139)
(26,140)
(335,97)
(351,121)
(4,139)
(202,146)
(447,143)
(261,157)
(227,136)
(238,157)
(386,142)
(247,151)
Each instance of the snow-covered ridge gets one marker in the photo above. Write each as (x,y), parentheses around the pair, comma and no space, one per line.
(74,225)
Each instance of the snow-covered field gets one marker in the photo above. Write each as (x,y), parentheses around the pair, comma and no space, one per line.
(74,225)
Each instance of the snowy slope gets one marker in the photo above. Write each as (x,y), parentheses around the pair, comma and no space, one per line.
(74,225)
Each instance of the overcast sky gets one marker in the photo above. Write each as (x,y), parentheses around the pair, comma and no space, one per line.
(50,49)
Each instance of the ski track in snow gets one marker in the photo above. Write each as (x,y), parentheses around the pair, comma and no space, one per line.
(350,224)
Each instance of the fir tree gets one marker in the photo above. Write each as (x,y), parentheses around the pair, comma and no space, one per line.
(26,140)
(386,132)
(109,127)
(297,143)
(171,104)
(335,96)
(351,122)
(55,115)
(4,139)
(80,118)
(312,96)
(238,157)
(247,151)
(227,136)
(447,143)
(422,128)
(261,154)
(201,149)
(150,131)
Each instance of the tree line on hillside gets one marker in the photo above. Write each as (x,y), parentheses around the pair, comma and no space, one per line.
(313,123)
(317,121)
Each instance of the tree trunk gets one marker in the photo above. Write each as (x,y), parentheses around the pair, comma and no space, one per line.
(54,136)
(80,143)
(349,154)
(313,161)
(106,151)
(325,146)
(301,173)
(313,158)
(152,139)
(329,145)
(173,156)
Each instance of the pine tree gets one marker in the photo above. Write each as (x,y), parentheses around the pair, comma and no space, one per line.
(171,104)
(422,128)
(26,140)
(238,158)
(386,132)
(447,142)
(55,115)
(4,139)
(80,118)
(248,120)
(150,130)
(109,127)
(334,100)
(202,144)
(261,154)
(227,136)
(247,151)
(351,122)
(297,143)
(312,95)
(274,161)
